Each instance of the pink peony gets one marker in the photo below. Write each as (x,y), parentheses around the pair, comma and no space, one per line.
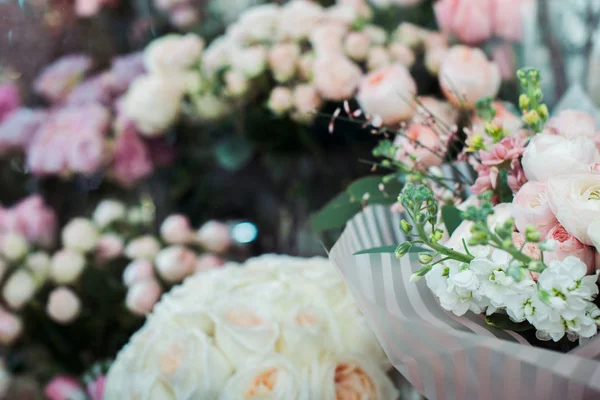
(93,90)
(58,79)
(283,60)
(532,208)
(63,387)
(336,77)
(131,160)
(32,218)
(142,296)
(568,245)
(571,124)
(95,389)
(19,128)
(10,99)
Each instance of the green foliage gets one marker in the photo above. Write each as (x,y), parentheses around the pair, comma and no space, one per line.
(504,191)
(452,218)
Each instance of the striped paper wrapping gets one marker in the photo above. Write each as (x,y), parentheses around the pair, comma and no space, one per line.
(444,356)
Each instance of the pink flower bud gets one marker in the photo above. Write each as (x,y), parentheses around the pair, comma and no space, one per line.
(63,387)
(95,388)
(208,261)
(175,263)
(143,247)
(10,327)
(110,246)
(214,236)
(142,296)
(138,271)
(63,305)
(176,229)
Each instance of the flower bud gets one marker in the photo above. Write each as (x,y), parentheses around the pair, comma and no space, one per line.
(405,226)
(207,262)
(402,249)
(63,305)
(214,236)
(236,83)
(138,271)
(39,265)
(531,117)
(19,289)
(531,234)
(14,246)
(63,387)
(176,229)
(142,248)
(110,246)
(524,102)
(420,273)
(142,296)
(80,234)
(175,263)
(66,266)
(10,327)
(107,212)
(543,112)
(425,258)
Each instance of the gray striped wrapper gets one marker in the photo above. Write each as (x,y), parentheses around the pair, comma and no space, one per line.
(444,356)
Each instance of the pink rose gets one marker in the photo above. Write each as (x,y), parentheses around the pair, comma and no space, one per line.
(95,389)
(357,45)
(532,208)
(142,296)
(571,124)
(328,39)
(207,262)
(109,247)
(63,387)
(176,229)
(298,18)
(336,77)
(388,93)
(530,249)
(467,76)
(32,218)
(568,245)
(421,142)
(283,60)
(470,20)
(214,236)
(131,160)
(306,102)
(402,54)
(59,78)
(10,99)
(19,128)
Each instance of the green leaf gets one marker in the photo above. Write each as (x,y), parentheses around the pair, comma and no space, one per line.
(502,321)
(233,153)
(452,217)
(347,204)
(504,191)
(390,249)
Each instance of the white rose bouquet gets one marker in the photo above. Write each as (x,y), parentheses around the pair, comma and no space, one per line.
(275,327)
(507,278)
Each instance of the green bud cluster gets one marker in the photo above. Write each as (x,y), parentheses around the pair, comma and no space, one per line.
(535,113)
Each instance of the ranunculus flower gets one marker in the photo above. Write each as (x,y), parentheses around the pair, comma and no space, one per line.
(109,247)
(283,60)
(357,45)
(251,61)
(298,19)
(388,94)
(10,99)
(142,296)
(138,271)
(575,200)
(108,212)
(19,289)
(281,100)
(328,38)
(18,129)
(572,124)
(11,327)
(59,78)
(467,76)
(176,229)
(532,208)
(174,263)
(568,245)
(172,54)
(63,305)
(421,142)
(548,156)
(80,234)
(63,387)
(142,248)
(214,236)
(66,267)
(270,376)
(335,76)
(131,159)
(256,24)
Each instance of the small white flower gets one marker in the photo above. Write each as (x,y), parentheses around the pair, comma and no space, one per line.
(14,246)
(81,235)
(107,212)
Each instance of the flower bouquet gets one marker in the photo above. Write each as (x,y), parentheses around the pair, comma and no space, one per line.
(508,304)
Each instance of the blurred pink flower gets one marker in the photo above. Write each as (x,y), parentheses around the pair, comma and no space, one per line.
(568,245)
(504,57)
(95,388)
(131,159)
(423,143)
(32,218)
(70,141)
(161,152)
(95,89)
(89,8)
(63,387)
(10,99)
(208,261)
(124,70)
(572,124)
(19,128)
(58,79)
(510,148)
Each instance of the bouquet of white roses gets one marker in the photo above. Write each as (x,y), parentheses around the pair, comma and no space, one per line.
(278,327)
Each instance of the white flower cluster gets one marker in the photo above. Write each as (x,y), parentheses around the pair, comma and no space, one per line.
(557,302)
(276,327)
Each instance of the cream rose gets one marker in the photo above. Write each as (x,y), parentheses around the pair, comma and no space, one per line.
(336,77)
(532,208)
(268,377)
(327,39)
(14,246)
(80,234)
(257,24)
(388,93)
(19,289)
(548,156)
(298,19)
(143,248)
(575,200)
(283,60)
(107,212)
(251,61)
(357,45)
(173,53)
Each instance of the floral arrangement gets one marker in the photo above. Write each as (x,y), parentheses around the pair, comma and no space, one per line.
(275,326)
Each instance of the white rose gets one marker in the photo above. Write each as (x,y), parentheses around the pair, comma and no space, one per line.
(594,234)
(346,377)
(176,229)
(19,289)
(152,103)
(63,305)
(142,248)
(357,45)
(298,19)
(175,263)
(549,155)
(328,39)
(269,377)
(39,265)
(107,212)
(256,24)
(217,55)
(575,201)
(388,93)
(244,329)
(66,267)
(14,246)
(236,83)
(171,54)
(251,61)
(81,235)
(165,363)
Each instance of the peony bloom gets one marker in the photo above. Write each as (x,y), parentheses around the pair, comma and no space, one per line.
(10,99)
(467,76)
(18,129)
(572,124)
(567,246)
(574,199)
(283,60)
(176,229)
(63,387)
(388,94)
(11,327)
(531,207)
(281,100)
(142,296)
(420,145)
(80,234)
(214,236)
(63,305)
(172,54)
(548,156)
(32,218)
(298,19)
(58,79)
(131,159)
